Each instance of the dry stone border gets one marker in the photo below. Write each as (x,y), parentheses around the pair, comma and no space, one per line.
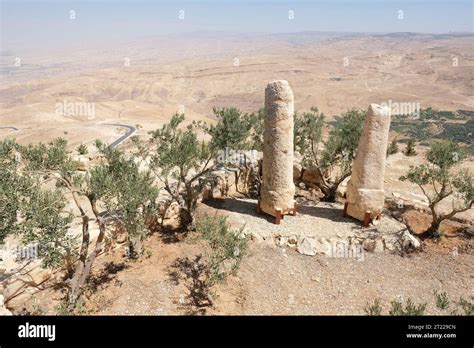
(317,228)
(401,241)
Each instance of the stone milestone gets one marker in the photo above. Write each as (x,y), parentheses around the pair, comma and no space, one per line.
(365,193)
(277,189)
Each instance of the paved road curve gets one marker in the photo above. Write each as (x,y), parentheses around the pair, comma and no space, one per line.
(7,127)
(131,130)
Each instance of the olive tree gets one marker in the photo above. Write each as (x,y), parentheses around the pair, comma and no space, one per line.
(437,180)
(180,162)
(13,188)
(231,131)
(256,120)
(235,130)
(41,182)
(183,163)
(330,159)
(235,138)
(130,194)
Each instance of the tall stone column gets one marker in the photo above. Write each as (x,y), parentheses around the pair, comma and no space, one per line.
(365,194)
(278,190)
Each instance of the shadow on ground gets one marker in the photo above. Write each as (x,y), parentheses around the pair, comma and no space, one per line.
(107,274)
(249,207)
(194,273)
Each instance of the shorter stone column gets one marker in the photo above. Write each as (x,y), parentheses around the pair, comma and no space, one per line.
(365,194)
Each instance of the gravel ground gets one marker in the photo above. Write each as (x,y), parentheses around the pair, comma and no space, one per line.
(278,280)
(320,221)
(281,281)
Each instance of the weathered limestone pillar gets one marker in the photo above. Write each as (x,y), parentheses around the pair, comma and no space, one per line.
(365,194)
(278,190)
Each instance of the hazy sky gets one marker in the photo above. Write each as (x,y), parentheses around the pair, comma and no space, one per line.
(26,24)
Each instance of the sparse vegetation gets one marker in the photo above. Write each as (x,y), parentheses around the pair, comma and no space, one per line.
(82,149)
(435,125)
(432,114)
(442,301)
(119,194)
(438,175)
(466,306)
(410,149)
(373,309)
(393,147)
(411,308)
(116,225)
(458,132)
(65,308)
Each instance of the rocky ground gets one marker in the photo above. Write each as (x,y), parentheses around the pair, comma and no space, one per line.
(275,277)
(323,224)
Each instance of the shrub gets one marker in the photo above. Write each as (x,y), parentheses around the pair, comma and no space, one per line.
(410,308)
(227,246)
(82,149)
(226,250)
(373,309)
(466,306)
(442,301)
(392,148)
(410,149)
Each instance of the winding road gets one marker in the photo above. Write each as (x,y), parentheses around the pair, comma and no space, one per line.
(7,127)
